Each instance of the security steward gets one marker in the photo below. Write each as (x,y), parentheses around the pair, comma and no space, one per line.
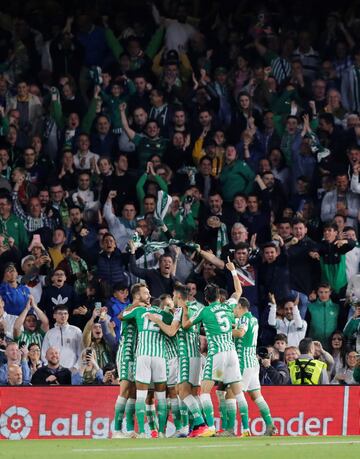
(306,370)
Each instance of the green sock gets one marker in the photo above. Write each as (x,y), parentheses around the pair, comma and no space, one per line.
(184,414)
(222,408)
(264,411)
(129,415)
(119,412)
(208,409)
(162,413)
(175,409)
(244,410)
(231,413)
(194,409)
(140,413)
(151,416)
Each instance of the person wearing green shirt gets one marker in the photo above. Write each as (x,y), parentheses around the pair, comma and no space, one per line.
(121,90)
(236,176)
(147,144)
(188,342)
(323,314)
(11,225)
(222,363)
(149,174)
(245,334)
(151,365)
(352,327)
(31,325)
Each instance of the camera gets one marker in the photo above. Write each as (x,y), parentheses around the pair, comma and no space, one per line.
(189,199)
(263,352)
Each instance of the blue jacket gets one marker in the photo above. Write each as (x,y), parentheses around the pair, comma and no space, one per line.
(26,374)
(115,307)
(15,299)
(112,268)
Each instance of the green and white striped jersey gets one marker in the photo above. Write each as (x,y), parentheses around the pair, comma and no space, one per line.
(217,319)
(246,346)
(151,341)
(188,340)
(35,337)
(171,347)
(128,340)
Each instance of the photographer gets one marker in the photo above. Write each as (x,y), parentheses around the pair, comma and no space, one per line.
(272,370)
(110,375)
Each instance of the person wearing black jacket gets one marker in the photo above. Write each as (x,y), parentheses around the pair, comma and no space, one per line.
(274,277)
(52,374)
(304,271)
(273,372)
(160,280)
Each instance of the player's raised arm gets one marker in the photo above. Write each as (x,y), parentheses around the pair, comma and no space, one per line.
(237,284)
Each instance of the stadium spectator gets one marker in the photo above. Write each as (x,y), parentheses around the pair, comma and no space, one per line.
(15,377)
(322,315)
(98,335)
(14,295)
(31,325)
(52,373)
(15,356)
(346,375)
(65,337)
(305,369)
(291,325)
(272,370)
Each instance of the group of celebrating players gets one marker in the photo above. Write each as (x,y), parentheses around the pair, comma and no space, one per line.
(159,359)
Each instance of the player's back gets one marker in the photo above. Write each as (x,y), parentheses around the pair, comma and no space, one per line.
(246,346)
(217,319)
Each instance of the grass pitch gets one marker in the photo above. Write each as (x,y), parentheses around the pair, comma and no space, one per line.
(210,448)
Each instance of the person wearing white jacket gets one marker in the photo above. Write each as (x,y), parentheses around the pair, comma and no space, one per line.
(292,325)
(65,337)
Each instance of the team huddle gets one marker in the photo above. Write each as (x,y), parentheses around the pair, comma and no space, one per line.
(159,358)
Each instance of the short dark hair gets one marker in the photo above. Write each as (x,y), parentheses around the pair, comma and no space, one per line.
(75,207)
(297,221)
(323,285)
(211,293)
(119,286)
(328,118)
(244,303)
(269,244)
(241,246)
(281,337)
(60,307)
(332,225)
(305,345)
(182,290)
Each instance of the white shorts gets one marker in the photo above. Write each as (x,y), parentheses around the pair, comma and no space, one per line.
(150,369)
(173,369)
(223,367)
(250,379)
(189,370)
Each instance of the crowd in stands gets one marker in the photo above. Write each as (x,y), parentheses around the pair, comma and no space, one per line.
(154,141)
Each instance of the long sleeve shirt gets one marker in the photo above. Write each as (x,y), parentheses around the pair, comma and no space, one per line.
(26,374)
(294,329)
(66,338)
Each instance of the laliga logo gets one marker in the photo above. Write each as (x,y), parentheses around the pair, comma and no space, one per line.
(15,423)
